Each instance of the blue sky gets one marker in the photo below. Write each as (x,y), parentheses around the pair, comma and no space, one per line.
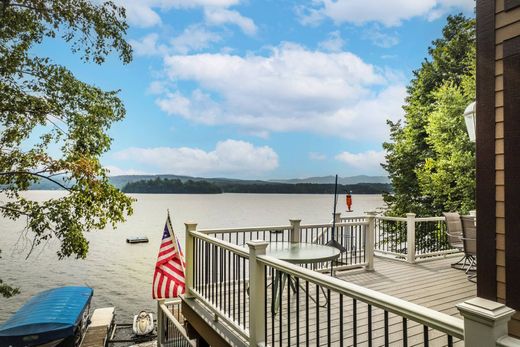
(263,89)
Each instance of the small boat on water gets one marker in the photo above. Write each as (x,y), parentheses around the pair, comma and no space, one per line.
(137,239)
(53,318)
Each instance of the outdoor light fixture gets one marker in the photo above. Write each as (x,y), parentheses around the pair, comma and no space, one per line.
(470,117)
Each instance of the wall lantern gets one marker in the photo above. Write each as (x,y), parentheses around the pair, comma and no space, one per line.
(470,117)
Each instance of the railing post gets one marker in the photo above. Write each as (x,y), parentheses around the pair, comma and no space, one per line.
(189,259)
(256,293)
(370,240)
(484,321)
(337,217)
(410,237)
(295,235)
(160,324)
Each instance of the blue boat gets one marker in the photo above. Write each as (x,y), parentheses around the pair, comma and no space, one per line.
(55,317)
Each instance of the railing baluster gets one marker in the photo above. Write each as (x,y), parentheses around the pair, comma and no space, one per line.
(239,289)
(288,310)
(341,320)
(317,315)
(265,303)
(244,291)
(354,321)
(273,291)
(307,312)
(405,332)
(297,286)
(387,343)
(280,291)
(369,313)
(425,336)
(328,319)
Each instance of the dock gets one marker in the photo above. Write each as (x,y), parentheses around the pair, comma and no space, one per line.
(99,328)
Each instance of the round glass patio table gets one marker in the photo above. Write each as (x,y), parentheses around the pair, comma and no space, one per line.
(302,253)
(296,253)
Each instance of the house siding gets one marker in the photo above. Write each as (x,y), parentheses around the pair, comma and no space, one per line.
(507,27)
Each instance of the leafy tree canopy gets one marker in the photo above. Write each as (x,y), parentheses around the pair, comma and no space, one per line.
(430,160)
(43,105)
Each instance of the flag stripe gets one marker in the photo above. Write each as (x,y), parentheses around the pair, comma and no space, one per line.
(169,277)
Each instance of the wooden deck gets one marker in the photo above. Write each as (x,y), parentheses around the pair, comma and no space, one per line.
(298,321)
(432,284)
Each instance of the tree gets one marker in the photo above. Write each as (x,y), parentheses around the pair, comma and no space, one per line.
(452,59)
(43,106)
(448,177)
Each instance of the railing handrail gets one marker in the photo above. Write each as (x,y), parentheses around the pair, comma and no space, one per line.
(277,227)
(423,315)
(429,219)
(342,224)
(243,252)
(394,219)
(246,229)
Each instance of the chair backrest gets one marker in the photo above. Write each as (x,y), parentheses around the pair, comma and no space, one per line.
(469,235)
(454,228)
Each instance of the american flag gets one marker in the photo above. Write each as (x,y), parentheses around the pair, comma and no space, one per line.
(168,279)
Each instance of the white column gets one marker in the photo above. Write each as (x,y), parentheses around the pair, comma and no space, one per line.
(484,321)
(295,235)
(370,240)
(410,237)
(256,293)
(189,256)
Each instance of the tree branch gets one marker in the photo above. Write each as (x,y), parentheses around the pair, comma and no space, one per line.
(10,173)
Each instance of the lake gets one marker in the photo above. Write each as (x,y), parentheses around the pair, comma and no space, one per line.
(121,273)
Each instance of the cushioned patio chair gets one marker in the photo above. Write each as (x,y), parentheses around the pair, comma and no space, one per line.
(454,232)
(469,239)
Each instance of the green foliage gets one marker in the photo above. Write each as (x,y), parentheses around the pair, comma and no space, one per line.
(43,105)
(176,186)
(6,290)
(429,156)
(449,177)
(171,186)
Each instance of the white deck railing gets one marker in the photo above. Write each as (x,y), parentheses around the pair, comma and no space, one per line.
(410,238)
(170,331)
(356,236)
(237,284)
(231,282)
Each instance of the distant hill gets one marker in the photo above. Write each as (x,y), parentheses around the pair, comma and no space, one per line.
(159,185)
(341,180)
(358,184)
(121,181)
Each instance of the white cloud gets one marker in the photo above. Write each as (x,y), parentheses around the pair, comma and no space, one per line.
(194,38)
(317,156)
(220,16)
(291,89)
(230,157)
(143,13)
(388,12)
(148,46)
(381,38)
(140,13)
(116,171)
(334,42)
(368,161)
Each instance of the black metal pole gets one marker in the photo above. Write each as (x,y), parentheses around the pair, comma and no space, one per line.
(332,242)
